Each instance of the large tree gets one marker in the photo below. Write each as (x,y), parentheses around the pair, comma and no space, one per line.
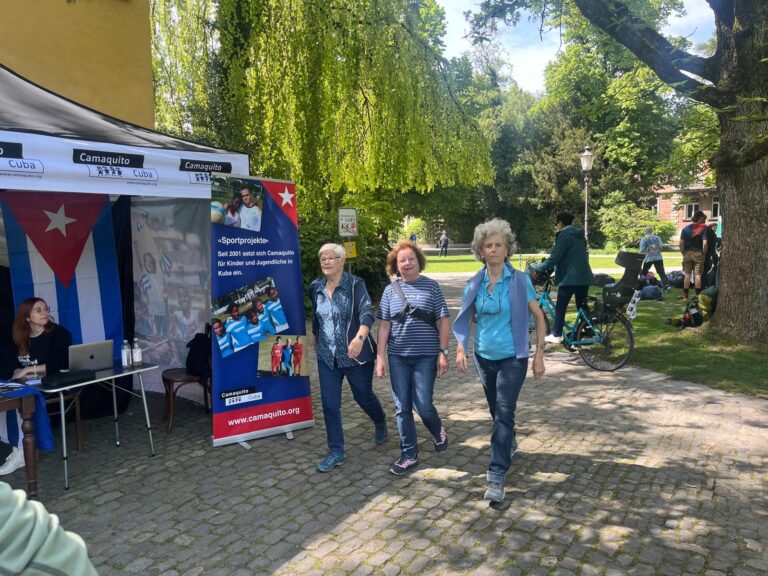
(734,83)
(349,98)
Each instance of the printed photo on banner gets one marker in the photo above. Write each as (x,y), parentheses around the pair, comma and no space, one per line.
(237,203)
(284,354)
(247,316)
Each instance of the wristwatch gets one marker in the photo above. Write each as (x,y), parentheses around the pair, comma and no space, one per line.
(361,337)
(444,351)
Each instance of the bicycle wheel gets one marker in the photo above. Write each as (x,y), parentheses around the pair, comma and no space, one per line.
(532,329)
(615,342)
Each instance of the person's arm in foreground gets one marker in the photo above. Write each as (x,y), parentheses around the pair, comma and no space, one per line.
(34,542)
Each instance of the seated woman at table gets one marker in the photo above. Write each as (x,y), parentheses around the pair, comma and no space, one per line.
(42,347)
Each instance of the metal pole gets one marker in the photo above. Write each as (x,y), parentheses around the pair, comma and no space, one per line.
(586,208)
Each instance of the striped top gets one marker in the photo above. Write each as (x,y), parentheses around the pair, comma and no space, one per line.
(414,337)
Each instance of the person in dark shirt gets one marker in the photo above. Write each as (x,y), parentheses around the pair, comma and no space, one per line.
(42,348)
(694,245)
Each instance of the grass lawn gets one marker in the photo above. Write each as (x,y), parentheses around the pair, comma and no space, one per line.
(467,262)
(692,354)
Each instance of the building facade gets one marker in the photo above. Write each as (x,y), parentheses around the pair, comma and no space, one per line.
(97,53)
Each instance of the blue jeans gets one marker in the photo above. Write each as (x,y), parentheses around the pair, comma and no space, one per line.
(502,381)
(360,378)
(564,294)
(413,382)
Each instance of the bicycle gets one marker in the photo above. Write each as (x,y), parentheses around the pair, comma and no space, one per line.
(601,334)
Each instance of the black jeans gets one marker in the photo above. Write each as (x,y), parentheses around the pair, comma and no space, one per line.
(659,265)
(564,294)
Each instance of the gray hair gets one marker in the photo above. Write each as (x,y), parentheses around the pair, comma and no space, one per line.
(649,229)
(491,228)
(337,250)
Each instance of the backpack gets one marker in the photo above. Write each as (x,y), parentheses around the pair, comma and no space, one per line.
(676,278)
(199,355)
(692,315)
(651,293)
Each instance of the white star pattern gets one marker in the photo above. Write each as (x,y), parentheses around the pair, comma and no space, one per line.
(59,221)
(287,197)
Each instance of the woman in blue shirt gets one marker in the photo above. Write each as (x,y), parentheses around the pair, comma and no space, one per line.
(500,300)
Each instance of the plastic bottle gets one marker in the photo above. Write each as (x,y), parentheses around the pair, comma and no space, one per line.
(136,353)
(125,354)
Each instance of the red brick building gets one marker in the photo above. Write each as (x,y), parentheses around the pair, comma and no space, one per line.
(678,205)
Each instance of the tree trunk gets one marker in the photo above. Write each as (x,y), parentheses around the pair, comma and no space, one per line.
(742,308)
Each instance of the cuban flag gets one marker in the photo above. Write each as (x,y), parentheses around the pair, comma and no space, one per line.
(61,248)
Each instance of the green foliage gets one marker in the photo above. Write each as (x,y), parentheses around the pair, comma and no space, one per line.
(371,250)
(417,226)
(351,99)
(623,223)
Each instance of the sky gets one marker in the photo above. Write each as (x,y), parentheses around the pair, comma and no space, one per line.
(529,54)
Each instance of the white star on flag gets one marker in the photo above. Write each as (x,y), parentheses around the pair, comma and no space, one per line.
(287,197)
(59,221)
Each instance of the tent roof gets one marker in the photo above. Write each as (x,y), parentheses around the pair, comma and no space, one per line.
(39,111)
(49,143)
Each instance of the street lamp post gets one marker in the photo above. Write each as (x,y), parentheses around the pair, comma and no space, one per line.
(587,158)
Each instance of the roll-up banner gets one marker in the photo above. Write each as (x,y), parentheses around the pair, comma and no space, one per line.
(260,381)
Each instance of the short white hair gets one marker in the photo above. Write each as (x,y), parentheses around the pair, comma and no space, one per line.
(649,229)
(337,250)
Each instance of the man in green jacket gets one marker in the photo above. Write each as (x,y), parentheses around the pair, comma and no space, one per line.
(32,541)
(573,275)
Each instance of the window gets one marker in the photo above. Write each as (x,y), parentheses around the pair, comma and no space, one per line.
(690,210)
(715,206)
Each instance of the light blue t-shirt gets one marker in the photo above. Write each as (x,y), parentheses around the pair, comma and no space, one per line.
(493,331)
(238,329)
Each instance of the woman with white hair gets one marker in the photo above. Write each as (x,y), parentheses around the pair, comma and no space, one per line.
(500,300)
(651,245)
(342,315)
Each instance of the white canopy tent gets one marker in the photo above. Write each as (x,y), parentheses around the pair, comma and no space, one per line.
(53,144)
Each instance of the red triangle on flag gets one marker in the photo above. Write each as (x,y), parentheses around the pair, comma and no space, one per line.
(284,194)
(58,224)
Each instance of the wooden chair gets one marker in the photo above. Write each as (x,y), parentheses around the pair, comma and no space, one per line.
(174,379)
(52,405)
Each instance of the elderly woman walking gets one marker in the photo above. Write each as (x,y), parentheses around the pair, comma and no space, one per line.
(342,315)
(414,329)
(500,300)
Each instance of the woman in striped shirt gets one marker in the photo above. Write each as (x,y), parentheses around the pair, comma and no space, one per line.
(414,330)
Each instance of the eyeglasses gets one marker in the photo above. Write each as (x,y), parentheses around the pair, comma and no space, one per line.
(325,259)
(489,305)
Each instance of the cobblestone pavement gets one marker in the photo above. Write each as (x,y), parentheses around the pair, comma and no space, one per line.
(625,473)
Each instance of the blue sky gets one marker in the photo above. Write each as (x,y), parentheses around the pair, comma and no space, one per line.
(529,54)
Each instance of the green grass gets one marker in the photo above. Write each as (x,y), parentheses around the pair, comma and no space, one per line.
(467,262)
(692,354)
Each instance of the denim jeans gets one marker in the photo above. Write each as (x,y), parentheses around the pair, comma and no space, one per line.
(564,294)
(502,381)
(413,382)
(360,378)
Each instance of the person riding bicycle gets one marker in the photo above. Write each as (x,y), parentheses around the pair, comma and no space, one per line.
(573,276)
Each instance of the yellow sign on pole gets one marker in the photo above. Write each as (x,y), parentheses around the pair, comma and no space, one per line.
(351,249)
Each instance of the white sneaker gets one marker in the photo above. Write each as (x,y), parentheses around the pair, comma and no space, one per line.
(552,339)
(14,461)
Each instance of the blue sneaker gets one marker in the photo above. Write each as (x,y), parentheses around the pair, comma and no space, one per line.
(382,434)
(402,465)
(330,462)
(441,441)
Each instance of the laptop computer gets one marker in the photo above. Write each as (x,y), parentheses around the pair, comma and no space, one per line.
(92,356)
